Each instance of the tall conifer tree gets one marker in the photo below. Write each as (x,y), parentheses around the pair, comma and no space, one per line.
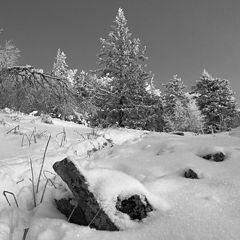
(180,110)
(125,100)
(216,101)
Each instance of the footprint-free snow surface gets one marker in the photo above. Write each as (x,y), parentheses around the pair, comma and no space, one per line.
(116,162)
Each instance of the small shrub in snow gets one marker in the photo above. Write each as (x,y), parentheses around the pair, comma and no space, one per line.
(45,118)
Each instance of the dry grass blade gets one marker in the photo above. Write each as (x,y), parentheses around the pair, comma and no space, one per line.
(22,140)
(94,217)
(13,129)
(29,140)
(44,156)
(25,233)
(33,135)
(63,137)
(50,180)
(33,188)
(44,189)
(71,213)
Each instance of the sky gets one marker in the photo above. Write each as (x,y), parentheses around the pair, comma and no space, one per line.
(182,36)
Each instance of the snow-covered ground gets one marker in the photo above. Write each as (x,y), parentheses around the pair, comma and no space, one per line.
(117,161)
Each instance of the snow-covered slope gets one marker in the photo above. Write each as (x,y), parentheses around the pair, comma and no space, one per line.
(205,208)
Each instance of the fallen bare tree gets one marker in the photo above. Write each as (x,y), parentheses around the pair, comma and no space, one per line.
(25,88)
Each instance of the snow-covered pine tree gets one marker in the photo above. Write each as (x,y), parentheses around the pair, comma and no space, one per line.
(9,54)
(125,100)
(194,117)
(216,101)
(180,110)
(174,104)
(60,67)
(65,106)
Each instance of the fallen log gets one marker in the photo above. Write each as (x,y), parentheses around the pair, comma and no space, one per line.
(84,209)
(73,212)
(91,212)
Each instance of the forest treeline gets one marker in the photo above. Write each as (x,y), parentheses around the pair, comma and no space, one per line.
(121,92)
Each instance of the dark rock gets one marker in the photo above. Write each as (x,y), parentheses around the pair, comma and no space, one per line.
(88,206)
(189,173)
(134,207)
(178,133)
(216,157)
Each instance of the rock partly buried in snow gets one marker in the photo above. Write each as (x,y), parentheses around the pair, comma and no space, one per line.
(178,133)
(189,173)
(216,157)
(136,207)
(108,199)
(87,204)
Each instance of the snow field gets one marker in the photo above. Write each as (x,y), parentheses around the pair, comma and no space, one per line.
(148,163)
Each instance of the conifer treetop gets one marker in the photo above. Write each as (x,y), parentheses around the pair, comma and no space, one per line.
(120,53)
(206,74)
(120,18)
(60,67)
(120,29)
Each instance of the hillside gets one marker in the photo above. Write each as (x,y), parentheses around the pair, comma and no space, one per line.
(204,208)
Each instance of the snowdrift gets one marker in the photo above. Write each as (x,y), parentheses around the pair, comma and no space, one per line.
(149,163)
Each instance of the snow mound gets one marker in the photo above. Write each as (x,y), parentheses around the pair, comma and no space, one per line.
(107,185)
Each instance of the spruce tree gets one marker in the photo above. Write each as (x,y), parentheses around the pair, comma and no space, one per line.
(216,101)
(125,101)
(60,67)
(174,104)
(180,110)
(65,106)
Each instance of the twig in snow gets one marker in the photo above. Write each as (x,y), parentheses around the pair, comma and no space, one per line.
(14,129)
(20,181)
(11,193)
